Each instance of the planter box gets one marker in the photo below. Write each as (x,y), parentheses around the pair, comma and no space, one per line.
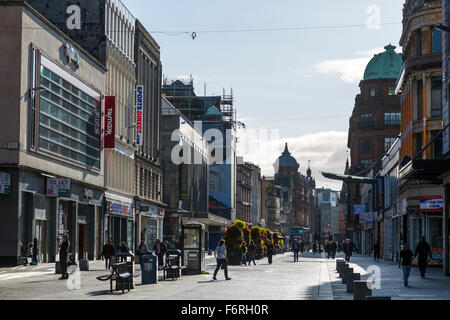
(234,258)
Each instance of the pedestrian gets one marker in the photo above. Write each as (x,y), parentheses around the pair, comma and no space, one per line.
(405,261)
(63,251)
(295,249)
(123,249)
(348,250)
(158,248)
(251,253)
(376,251)
(328,249)
(269,252)
(141,250)
(221,255)
(423,250)
(107,253)
(244,253)
(333,247)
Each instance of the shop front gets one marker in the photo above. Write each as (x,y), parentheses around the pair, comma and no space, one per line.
(119,219)
(150,224)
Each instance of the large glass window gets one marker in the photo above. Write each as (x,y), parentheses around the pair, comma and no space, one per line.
(436,40)
(366,145)
(436,96)
(68,121)
(392,118)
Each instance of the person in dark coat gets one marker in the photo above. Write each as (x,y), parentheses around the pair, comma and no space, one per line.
(333,248)
(376,251)
(160,250)
(63,252)
(327,249)
(141,250)
(243,253)
(269,252)
(123,249)
(348,250)
(107,253)
(251,252)
(423,250)
(405,261)
(302,246)
(295,249)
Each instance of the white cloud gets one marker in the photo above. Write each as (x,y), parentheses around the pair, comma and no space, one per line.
(326,150)
(349,70)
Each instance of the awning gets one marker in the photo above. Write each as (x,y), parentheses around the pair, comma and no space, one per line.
(428,170)
(347,178)
(206,218)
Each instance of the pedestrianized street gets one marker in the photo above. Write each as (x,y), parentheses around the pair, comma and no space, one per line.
(313,277)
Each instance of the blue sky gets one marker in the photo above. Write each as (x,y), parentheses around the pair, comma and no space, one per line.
(301,82)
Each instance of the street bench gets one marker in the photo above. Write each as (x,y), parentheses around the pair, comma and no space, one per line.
(119,274)
(173,267)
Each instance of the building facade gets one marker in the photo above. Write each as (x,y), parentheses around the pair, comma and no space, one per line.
(51,153)
(244,191)
(420,89)
(149,178)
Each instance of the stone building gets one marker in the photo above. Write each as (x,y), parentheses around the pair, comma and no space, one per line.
(51,158)
(244,191)
(420,89)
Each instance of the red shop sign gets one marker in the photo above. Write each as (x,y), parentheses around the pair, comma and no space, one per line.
(109,133)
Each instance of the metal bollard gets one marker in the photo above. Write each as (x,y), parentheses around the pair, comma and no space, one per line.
(342,266)
(350,279)
(361,289)
(338,261)
(345,274)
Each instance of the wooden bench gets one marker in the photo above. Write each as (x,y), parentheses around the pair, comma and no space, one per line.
(119,274)
(172,265)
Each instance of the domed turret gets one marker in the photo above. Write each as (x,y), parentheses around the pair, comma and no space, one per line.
(385,65)
(286,160)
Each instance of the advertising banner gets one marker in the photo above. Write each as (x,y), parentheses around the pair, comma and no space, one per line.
(139,114)
(378,194)
(58,187)
(109,133)
(431,203)
(359,208)
(5,183)
(119,208)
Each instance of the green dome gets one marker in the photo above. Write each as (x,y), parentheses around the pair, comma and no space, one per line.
(385,65)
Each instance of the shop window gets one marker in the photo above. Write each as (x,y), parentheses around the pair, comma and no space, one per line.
(366,119)
(419,43)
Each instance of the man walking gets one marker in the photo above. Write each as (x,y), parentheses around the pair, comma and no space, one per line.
(269,252)
(243,253)
(107,253)
(333,247)
(295,249)
(405,261)
(63,250)
(251,253)
(424,251)
(348,250)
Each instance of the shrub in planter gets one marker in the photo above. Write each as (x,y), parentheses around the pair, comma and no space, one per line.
(257,237)
(233,238)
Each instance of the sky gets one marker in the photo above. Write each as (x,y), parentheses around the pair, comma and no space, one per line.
(295,86)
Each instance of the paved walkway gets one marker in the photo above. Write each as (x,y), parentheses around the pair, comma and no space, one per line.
(435,286)
(312,278)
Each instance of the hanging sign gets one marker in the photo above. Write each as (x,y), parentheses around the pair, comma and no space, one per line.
(109,133)
(139,114)
(359,208)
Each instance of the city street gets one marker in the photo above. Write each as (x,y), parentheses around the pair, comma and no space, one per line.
(312,278)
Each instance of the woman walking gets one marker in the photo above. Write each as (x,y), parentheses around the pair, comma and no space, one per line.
(221,255)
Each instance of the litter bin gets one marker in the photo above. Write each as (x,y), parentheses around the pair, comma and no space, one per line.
(149,268)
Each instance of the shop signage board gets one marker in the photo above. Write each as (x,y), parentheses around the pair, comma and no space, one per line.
(5,183)
(359,208)
(161,212)
(150,210)
(139,114)
(109,130)
(431,203)
(119,208)
(58,187)
(362,217)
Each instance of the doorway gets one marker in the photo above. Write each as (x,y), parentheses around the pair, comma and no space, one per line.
(40,232)
(81,241)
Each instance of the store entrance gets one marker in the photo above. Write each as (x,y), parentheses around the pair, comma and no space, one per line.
(40,231)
